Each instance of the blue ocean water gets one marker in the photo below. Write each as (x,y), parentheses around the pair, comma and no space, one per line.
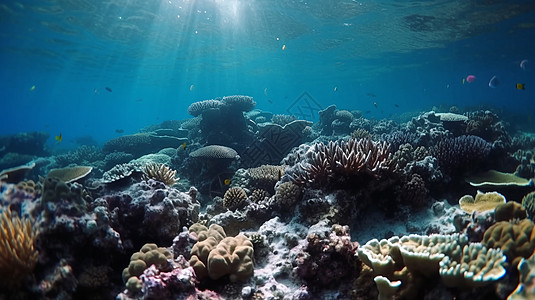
(92,68)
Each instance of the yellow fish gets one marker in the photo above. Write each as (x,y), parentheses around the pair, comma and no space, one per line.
(59,138)
(32,88)
(227,181)
(520,86)
(283,47)
(184,146)
(464,80)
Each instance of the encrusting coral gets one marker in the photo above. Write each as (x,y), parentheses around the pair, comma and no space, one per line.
(160,172)
(17,253)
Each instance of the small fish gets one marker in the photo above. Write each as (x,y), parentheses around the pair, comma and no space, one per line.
(265,92)
(524,64)
(59,138)
(375,104)
(119,130)
(335,88)
(470,78)
(520,86)
(396,105)
(283,47)
(184,146)
(139,100)
(464,80)
(32,88)
(108,89)
(270,101)
(191,88)
(493,83)
(95,91)
(368,111)
(227,181)
(371,95)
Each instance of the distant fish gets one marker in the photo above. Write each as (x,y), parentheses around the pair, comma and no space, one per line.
(270,101)
(184,146)
(520,86)
(371,95)
(524,64)
(32,88)
(368,111)
(265,92)
(470,78)
(191,88)
(95,91)
(227,181)
(108,89)
(335,88)
(375,104)
(283,47)
(396,105)
(59,138)
(119,130)
(493,82)
(139,100)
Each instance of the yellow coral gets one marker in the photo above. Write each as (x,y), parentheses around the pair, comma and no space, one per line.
(517,240)
(482,202)
(17,253)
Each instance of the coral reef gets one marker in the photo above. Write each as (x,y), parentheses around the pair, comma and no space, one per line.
(18,255)
(160,172)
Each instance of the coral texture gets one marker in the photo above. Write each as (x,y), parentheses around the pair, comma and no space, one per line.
(18,255)
(160,172)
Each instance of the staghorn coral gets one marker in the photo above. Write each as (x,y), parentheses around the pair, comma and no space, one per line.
(160,172)
(360,133)
(234,197)
(199,107)
(341,163)
(17,253)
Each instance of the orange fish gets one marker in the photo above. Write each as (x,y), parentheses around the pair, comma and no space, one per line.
(184,146)
(227,181)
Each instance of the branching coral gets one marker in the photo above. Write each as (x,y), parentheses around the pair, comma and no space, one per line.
(160,172)
(339,163)
(17,253)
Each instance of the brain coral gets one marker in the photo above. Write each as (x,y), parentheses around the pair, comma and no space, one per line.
(197,108)
(516,239)
(216,255)
(214,151)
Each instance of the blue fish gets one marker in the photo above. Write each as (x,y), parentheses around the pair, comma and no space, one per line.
(494,82)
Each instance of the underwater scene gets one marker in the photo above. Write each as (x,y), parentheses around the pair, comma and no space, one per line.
(267,149)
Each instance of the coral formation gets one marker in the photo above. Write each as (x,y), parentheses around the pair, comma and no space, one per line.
(343,163)
(148,255)
(70,174)
(18,255)
(214,152)
(482,201)
(528,202)
(197,108)
(160,172)
(515,239)
(234,197)
(216,255)
(287,194)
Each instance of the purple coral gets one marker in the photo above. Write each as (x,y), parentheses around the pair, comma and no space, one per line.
(327,260)
(457,154)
